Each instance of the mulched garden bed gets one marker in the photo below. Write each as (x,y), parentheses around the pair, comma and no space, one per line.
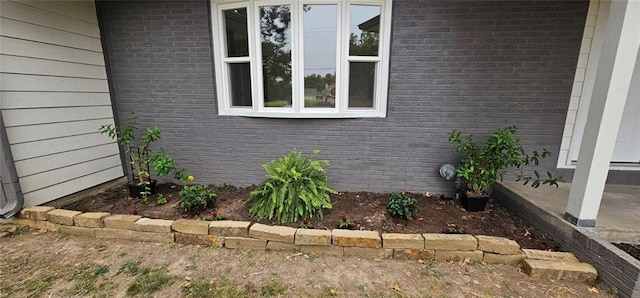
(366,210)
(633,250)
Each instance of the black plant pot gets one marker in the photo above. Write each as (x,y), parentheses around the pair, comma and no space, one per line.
(136,190)
(473,203)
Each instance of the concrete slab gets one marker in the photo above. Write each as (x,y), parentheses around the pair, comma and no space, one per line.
(617,220)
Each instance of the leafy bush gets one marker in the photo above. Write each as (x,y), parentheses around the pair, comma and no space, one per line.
(480,166)
(401,206)
(296,188)
(196,197)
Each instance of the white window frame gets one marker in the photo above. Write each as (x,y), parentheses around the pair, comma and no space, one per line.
(341,109)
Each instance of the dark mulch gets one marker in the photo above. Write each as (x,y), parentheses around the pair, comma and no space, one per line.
(366,210)
(633,250)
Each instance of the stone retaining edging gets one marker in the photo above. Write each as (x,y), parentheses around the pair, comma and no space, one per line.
(242,234)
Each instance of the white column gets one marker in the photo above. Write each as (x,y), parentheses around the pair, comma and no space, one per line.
(611,87)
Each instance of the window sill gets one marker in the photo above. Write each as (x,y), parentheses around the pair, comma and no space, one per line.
(304,114)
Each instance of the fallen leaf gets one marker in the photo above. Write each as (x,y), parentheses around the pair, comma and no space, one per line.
(593,290)
(396,287)
(420,261)
(527,233)
(420,219)
(476,282)
(407,273)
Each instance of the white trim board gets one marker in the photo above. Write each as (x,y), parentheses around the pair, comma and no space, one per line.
(597,16)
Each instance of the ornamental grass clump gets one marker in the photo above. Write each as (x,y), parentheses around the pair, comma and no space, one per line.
(296,188)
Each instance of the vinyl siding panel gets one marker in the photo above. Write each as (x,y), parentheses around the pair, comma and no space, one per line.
(54,96)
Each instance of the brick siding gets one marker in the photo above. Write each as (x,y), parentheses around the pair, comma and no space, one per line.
(471,65)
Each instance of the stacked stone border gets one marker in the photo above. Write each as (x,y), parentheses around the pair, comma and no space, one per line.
(347,243)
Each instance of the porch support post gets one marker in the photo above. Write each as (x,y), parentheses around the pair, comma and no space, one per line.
(611,87)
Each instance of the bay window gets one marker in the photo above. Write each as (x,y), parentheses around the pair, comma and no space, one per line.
(290,58)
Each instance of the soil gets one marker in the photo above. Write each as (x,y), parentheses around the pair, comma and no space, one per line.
(40,264)
(366,210)
(633,250)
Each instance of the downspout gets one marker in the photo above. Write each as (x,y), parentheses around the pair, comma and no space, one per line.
(8,177)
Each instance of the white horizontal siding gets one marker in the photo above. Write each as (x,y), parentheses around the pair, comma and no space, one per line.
(34,49)
(26,100)
(51,146)
(21,82)
(21,117)
(62,189)
(37,16)
(49,178)
(28,65)
(84,10)
(33,133)
(54,96)
(51,162)
(22,30)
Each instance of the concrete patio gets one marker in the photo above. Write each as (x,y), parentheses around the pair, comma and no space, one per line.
(619,216)
(618,220)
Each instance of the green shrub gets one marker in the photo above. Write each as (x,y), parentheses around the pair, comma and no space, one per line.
(296,188)
(401,206)
(196,197)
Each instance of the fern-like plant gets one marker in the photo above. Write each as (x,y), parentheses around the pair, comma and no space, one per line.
(296,188)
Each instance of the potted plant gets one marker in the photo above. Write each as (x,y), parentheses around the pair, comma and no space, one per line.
(142,158)
(479,167)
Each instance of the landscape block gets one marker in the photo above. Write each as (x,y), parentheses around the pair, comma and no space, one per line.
(447,255)
(153,225)
(313,237)
(121,221)
(35,212)
(497,245)
(90,219)
(273,233)
(78,231)
(370,239)
(514,259)
(62,216)
(414,254)
(241,242)
(229,228)
(190,226)
(550,255)
(412,241)
(450,242)
(559,270)
(199,239)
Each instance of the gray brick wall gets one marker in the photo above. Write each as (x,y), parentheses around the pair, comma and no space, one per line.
(471,65)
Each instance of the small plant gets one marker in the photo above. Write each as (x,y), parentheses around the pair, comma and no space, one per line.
(213,216)
(296,188)
(480,166)
(344,223)
(401,206)
(161,199)
(306,224)
(454,229)
(196,197)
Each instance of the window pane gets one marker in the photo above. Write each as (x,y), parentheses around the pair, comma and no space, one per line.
(361,84)
(235,21)
(275,33)
(364,30)
(320,30)
(240,79)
